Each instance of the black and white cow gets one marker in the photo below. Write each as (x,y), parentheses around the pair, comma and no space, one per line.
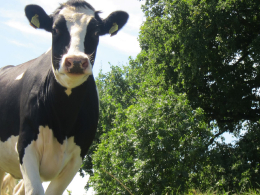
(49,106)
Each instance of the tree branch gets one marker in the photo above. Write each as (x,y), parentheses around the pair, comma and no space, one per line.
(213,138)
(116,180)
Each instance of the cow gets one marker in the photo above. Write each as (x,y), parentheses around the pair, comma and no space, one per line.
(49,106)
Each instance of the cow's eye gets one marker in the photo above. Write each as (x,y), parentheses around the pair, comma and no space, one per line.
(96,30)
(55,31)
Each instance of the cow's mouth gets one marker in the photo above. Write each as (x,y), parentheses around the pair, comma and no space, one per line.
(75,73)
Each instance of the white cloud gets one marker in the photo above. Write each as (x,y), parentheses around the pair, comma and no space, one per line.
(13,14)
(26,28)
(21,44)
(123,42)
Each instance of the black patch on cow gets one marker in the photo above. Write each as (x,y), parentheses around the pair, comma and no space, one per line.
(11,91)
(60,40)
(92,39)
(75,115)
(9,112)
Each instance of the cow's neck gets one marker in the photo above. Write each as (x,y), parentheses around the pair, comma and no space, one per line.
(63,109)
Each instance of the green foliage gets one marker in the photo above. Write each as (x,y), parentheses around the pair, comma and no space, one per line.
(114,94)
(232,168)
(210,49)
(69,192)
(153,144)
(196,77)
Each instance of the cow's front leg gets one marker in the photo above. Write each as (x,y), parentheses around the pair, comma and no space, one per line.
(19,188)
(60,183)
(29,165)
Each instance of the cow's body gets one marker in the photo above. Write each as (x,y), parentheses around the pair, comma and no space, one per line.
(48,121)
(55,117)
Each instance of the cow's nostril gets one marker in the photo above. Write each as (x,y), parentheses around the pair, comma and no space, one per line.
(85,64)
(68,64)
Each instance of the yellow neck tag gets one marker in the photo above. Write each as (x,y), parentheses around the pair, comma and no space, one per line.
(35,21)
(113,29)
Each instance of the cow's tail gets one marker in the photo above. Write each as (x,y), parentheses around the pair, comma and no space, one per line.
(8,184)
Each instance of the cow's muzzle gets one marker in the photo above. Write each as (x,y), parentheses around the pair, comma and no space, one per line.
(76,65)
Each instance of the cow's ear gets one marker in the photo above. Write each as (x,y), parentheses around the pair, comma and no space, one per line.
(113,23)
(38,17)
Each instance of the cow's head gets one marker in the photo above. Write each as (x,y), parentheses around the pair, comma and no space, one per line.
(75,28)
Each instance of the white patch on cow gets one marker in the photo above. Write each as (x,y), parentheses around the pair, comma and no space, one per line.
(77,20)
(47,160)
(69,80)
(68,91)
(8,182)
(30,170)
(19,77)
(16,150)
(19,188)
(9,157)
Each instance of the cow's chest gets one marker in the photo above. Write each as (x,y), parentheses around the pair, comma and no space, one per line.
(53,156)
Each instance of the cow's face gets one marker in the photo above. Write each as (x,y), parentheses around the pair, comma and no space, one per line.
(75,39)
(75,28)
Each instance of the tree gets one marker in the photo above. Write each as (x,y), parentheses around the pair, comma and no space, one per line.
(114,94)
(210,49)
(155,140)
(196,77)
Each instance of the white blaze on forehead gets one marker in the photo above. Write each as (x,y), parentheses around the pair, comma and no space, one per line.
(77,20)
